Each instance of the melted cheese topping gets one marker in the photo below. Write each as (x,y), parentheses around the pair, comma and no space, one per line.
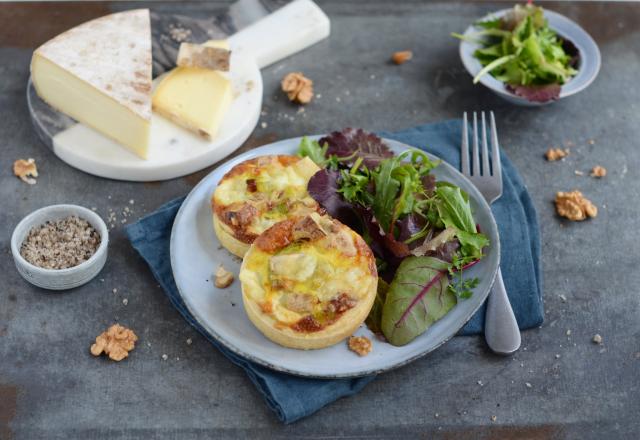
(275,186)
(304,277)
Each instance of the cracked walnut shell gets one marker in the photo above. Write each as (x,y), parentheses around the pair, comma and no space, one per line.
(574,206)
(26,170)
(298,87)
(116,342)
(360,345)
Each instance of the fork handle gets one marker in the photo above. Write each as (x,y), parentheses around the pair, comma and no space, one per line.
(500,326)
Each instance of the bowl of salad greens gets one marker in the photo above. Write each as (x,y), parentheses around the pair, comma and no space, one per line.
(529,56)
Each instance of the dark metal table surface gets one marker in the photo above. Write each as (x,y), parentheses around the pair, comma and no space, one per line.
(559,385)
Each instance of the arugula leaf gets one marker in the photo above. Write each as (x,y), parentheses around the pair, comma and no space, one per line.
(418,296)
(386,192)
(472,243)
(312,149)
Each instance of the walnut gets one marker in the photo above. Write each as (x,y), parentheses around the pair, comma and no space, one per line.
(117,341)
(598,171)
(574,206)
(224,278)
(298,87)
(26,170)
(402,56)
(360,345)
(556,154)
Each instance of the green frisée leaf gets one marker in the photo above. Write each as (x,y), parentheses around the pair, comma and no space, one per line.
(418,296)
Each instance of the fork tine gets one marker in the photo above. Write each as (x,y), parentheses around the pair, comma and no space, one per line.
(486,171)
(464,146)
(474,149)
(495,150)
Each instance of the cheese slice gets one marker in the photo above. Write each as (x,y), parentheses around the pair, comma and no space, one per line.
(195,98)
(99,73)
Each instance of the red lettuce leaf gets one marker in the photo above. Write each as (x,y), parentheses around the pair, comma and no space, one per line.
(323,188)
(357,143)
(409,225)
(550,92)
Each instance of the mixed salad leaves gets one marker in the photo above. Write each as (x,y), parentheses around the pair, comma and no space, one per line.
(522,51)
(422,231)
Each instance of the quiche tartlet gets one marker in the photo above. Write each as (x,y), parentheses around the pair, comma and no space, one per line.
(258,193)
(308,282)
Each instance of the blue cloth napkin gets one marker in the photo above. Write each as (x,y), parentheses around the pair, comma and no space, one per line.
(293,398)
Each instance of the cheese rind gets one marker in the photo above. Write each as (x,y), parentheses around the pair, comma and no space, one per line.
(99,73)
(205,57)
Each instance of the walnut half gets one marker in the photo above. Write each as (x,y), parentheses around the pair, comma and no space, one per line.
(26,170)
(574,206)
(224,278)
(116,342)
(360,345)
(298,87)
(553,154)
(401,57)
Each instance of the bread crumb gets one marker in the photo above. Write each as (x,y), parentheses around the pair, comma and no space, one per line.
(574,206)
(528,384)
(116,342)
(597,339)
(165,357)
(224,278)
(360,345)
(579,173)
(401,57)
(26,170)
(554,154)
(494,418)
(298,87)
(598,171)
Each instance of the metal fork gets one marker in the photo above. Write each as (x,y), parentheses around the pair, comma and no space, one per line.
(500,327)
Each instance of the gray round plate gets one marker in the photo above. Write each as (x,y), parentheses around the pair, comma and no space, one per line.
(196,253)
(589,64)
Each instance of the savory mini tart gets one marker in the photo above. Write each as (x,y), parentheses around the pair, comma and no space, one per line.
(258,193)
(308,282)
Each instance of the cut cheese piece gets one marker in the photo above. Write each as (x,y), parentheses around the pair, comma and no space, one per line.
(195,98)
(99,73)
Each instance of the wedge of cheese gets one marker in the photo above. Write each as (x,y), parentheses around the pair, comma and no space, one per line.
(99,73)
(195,98)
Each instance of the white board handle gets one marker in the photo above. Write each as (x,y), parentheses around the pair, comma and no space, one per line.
(288,30)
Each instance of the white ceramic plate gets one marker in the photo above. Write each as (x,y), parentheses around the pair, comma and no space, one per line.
(174,151)
(588,65)
(196,253)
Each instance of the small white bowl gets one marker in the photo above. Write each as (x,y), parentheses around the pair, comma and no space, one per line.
(588,64)
(59,279)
